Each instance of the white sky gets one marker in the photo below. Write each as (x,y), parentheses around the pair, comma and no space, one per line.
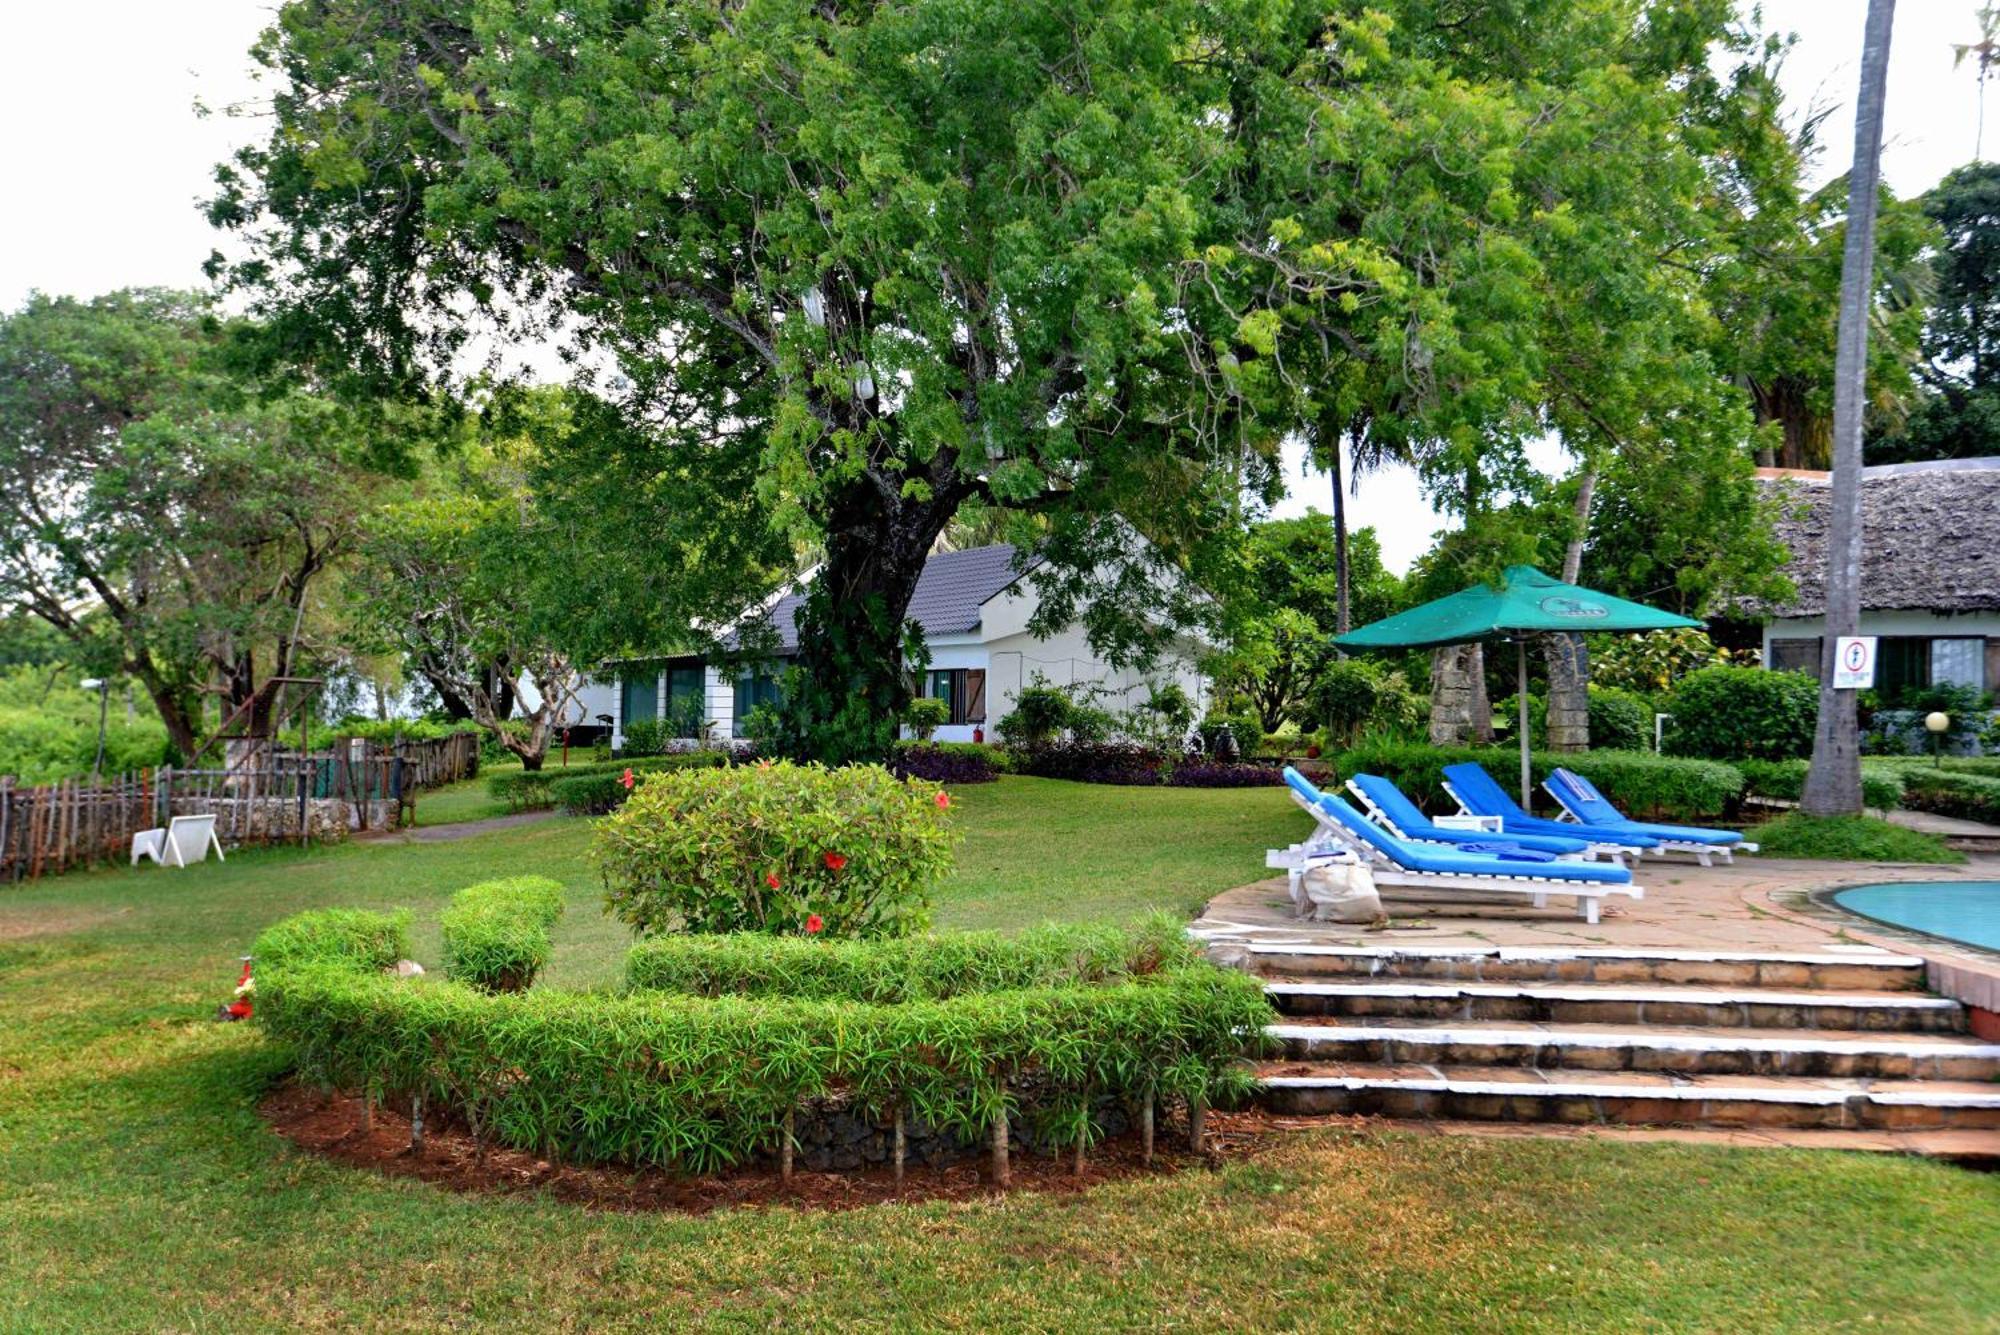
(106,158)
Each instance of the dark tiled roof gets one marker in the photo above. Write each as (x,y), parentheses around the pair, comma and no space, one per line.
(949,594)
(1929,537)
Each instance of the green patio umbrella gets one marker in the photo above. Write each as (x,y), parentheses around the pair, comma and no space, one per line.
(1525,604)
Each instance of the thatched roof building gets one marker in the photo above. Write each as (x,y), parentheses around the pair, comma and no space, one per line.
(1930,537)
(1930,573)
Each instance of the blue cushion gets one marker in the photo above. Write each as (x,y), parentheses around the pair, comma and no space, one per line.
(1432,858)
(1481,795)
(1580,795)
(1404,815)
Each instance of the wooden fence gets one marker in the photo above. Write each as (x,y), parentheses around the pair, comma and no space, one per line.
(267,795)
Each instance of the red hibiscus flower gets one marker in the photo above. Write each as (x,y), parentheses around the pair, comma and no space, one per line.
(943,799)
(834,861)
(771,879)
(627,779)
(813,925)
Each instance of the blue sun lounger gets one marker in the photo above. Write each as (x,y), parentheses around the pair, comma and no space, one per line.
(1388,805)
(1593,812)
(1478,794)
(1394,862)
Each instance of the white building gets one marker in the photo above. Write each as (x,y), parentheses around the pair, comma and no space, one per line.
(1930,572)
(974,608)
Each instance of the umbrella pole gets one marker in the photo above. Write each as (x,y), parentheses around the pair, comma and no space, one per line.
(1521,694)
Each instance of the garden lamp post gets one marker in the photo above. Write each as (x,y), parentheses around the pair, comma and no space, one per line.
(103,688)
(1938,723)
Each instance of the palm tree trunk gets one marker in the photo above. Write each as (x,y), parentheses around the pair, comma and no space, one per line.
(1343,616)
(1833,784)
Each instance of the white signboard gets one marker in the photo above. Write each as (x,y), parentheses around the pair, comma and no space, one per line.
(1854,662)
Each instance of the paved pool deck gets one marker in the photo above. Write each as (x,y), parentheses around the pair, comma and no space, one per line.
(1756,905)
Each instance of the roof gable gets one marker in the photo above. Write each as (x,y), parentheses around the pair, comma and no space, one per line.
(948,597)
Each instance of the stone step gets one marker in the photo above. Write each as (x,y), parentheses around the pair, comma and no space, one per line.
(1686,1050)
(1601,1003)
(1863,970)
(1509,1094)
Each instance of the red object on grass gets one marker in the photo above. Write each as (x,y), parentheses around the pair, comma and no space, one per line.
(240,1009)
(834,861)
(813,924)
(627,779)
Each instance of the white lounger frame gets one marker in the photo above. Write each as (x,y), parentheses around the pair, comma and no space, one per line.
(1332,843)
(1381,817)
(1702,852)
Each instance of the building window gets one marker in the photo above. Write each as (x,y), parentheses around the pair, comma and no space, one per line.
(963,689)
(639,697)
(1959,662)
(686,709)
(755,690)
(1902,665)
(1795,655)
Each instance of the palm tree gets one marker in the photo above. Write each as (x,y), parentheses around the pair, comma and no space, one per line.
(1833,785)
(1987,49)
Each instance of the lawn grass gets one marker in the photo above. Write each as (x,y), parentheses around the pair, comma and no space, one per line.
(467,800)
(140,1191)
(1849,839)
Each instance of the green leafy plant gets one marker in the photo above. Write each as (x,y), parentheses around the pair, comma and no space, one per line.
(1040,713)
(496,933)
(1952,793)
(1849,839)
(646,737)
(776,848)
(1620,720)
(354,938)
(1643,784)
(1345,698)
(1785,780)
(1732,713)
(536,790)
(925,714)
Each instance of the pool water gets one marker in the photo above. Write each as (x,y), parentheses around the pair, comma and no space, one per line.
(1967,911)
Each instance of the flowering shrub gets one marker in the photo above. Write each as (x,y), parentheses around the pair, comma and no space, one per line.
(1206,774)
(747,849)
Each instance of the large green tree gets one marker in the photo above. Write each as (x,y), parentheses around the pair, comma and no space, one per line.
(169,517)
(866,263)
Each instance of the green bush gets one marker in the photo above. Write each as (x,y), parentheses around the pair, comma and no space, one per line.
(644,737)
(1848,839)
(925,715)
(920,968)
(1954,793)
(696,1083)
(1785,781)
(1643,785)
(1620,720)
(536,791)
(1040,713)
(353,938)
(496,933)
(1736,713)
(592,794)
(770,847)
(1345,698)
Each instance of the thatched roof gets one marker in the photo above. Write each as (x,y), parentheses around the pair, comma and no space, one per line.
(1930,537)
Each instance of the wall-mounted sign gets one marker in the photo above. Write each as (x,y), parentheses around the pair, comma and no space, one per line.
(1854,662)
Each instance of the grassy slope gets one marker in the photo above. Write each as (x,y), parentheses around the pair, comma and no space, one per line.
(139,1191)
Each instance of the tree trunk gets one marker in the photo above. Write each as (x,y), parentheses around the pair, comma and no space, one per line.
(1833,784)
(1568,658)
(855,653)
(1343,580)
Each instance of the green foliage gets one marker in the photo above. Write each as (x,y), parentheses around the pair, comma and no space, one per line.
(763,848)
(48,728)
(925,715)
(1620,720)
(385,731)
(496,933)
(646,737)
(1641,784)
(1952,793)
(1731,713)
(349,938)
(592,794)
(1041,713)
(916,968)
(1849,839)
(535,790)
(1785,780)
(1345,698)
(1650,664)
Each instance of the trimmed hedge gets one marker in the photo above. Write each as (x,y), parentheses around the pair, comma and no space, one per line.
(698,1084)
(1091,762)
(1945,792)
(535,790)
(352,937)
(1643,785)
(1785,781)
(945,762)
(593,794)
(1740,713)
(925,968)
(496,933)
(1221,774)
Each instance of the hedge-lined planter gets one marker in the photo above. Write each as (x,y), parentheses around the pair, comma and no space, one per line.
(496,933)
(699,1083)
(1646,786)
(536,790)
(1965,796)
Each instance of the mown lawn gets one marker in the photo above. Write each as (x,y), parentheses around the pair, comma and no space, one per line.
(139,1190)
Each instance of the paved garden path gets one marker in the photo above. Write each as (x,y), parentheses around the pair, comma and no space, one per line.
(466,829)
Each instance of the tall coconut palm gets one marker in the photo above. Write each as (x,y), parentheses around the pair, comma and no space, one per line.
(1833,785)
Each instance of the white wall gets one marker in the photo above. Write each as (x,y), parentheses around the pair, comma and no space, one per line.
(1929,625)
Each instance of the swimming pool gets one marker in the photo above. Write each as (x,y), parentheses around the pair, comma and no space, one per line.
(1963,911)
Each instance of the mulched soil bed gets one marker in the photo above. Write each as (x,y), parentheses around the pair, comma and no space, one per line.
(332,1127)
